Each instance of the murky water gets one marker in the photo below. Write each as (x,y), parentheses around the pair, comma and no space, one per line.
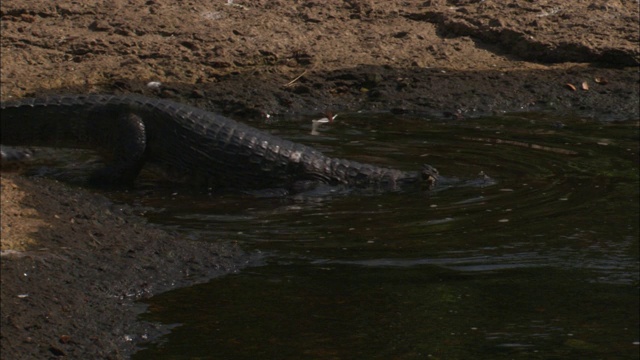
(527,250)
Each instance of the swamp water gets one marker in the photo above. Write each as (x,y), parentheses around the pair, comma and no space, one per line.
(528,249)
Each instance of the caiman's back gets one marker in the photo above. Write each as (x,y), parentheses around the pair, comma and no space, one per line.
(185,142)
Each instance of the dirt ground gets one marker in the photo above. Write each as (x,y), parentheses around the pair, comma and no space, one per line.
(73,262)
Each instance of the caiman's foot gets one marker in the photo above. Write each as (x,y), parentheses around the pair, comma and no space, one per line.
(14,155)
(11,159)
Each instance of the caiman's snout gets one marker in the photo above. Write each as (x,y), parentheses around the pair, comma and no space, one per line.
(429,176)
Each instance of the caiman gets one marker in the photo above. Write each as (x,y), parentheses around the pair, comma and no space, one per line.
(186,143)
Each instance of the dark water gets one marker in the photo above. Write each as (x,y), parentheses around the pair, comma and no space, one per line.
(528,250)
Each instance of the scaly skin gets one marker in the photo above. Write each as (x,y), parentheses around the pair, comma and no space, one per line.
(187,143)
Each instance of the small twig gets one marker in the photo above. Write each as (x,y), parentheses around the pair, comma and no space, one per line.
(296,79)
(230,3)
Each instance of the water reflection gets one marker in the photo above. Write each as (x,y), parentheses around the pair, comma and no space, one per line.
(527,249)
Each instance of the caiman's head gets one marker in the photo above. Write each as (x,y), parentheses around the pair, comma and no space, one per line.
(429,176)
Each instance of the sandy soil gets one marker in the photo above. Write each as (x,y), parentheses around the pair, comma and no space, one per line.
(73,262)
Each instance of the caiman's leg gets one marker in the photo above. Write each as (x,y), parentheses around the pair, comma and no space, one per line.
(123,139)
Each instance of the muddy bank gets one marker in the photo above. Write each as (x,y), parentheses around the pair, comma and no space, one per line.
(73,265)
(599,93)
(276,57)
